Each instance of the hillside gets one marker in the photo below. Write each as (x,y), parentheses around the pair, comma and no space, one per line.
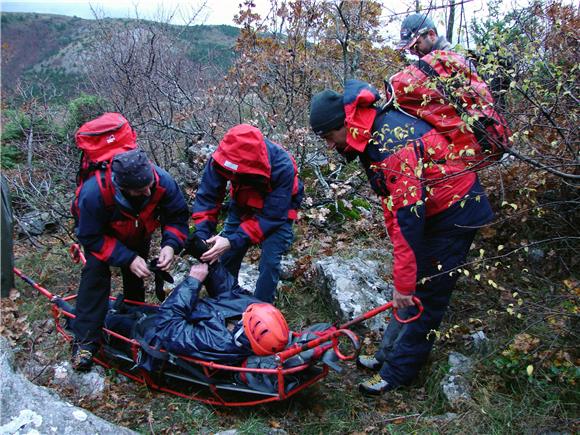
(52,47)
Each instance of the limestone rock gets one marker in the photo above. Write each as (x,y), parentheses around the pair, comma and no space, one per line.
(354,286)
(26,408)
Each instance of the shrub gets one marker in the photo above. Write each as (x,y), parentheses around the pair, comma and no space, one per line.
(9,156)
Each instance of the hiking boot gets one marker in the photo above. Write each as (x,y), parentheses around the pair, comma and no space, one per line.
(368,362)
(375,386)
(82,358)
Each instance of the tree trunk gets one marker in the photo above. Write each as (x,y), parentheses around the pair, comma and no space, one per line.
(29,146)
(6,253)
(451,21)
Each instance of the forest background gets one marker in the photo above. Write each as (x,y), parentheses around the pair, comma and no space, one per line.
(183,87)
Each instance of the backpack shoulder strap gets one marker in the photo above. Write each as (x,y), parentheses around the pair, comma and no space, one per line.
(426,68)
(105,182)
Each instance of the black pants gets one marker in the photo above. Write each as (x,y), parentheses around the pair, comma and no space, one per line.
(405,347)
(93,296)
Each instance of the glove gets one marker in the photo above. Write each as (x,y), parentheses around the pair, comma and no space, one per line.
(161,277)
(195,246)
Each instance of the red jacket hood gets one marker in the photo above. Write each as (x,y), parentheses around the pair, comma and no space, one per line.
(243,151)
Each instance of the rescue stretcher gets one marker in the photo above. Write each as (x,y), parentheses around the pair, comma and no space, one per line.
(211,382)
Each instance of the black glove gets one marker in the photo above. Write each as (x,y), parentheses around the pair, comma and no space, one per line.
(161,277)
(195,246)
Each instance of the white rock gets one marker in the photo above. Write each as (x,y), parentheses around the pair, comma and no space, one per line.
(80,415)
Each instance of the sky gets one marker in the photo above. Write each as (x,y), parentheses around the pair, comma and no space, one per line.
(218,11)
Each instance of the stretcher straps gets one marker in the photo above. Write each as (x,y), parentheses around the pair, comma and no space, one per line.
(175,360)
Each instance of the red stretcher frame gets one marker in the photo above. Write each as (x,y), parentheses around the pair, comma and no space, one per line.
(324,342)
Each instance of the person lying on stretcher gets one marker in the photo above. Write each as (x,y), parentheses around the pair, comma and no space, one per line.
(229,325)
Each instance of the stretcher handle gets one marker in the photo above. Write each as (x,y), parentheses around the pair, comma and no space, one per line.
(76,254)
(354,341)
(331,336)
(30,281)
(385,307)
(420,308)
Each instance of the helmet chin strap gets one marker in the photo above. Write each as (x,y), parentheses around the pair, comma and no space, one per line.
(238,334)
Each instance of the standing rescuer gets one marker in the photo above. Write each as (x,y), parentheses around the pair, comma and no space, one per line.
(142,198)
(432,208)
(265,193)
(444,89)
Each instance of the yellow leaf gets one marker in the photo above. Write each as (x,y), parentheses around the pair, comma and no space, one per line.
(530,370)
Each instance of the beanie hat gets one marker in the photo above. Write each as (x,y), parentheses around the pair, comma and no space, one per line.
(326,112)
(132,169)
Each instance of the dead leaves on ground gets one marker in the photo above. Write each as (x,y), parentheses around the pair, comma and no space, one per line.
(14,325)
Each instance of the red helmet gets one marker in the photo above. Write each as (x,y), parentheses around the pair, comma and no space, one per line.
(266,329)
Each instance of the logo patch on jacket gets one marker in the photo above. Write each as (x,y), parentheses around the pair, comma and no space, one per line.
(230,165)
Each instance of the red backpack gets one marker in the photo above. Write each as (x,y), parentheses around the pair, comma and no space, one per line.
(444,89)
(100,140)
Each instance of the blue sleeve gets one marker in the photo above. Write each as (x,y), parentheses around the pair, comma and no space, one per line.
(94,219)
(274,213)
(208,201)
(174,330)
(174,214)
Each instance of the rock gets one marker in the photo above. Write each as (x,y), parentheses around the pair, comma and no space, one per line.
(185,175)
(248,276)
(200,152)
(479,342)
(26,408)
(354,286)
(287,266)
(455,385)
(35,223)
(90,385)
(459,364)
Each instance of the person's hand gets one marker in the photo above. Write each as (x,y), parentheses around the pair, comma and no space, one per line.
(165,259)
(199,271)
(220,245)
(401,301)
(139,268)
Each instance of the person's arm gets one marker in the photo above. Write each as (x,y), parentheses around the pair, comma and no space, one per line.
(275,211)
(173,328)
(174,215)
(404,211)
(208,201)
(94,219)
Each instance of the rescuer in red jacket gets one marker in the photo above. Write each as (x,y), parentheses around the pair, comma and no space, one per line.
(432,208)
(144,198)
(265,193)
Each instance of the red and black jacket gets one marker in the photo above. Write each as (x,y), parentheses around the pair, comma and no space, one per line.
(422,192)
(264,186)
(113,232)
(447,100)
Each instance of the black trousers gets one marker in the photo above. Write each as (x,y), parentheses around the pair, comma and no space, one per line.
(92,301)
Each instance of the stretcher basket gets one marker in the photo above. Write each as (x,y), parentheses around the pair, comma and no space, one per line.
(211,382)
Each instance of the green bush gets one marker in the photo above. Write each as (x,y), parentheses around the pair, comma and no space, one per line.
(9,156)
(83,109)
(15,126)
